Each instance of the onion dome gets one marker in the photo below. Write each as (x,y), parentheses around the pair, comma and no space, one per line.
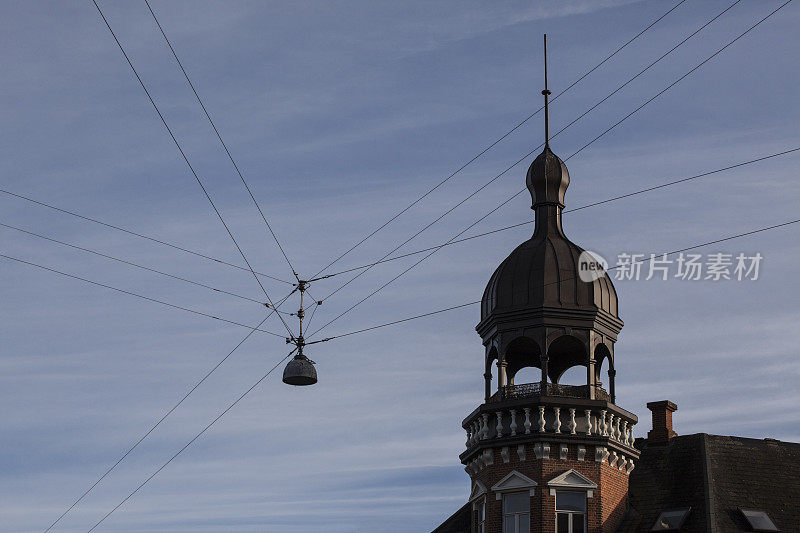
(543,272)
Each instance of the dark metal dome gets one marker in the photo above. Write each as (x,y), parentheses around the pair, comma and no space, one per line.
(544,271)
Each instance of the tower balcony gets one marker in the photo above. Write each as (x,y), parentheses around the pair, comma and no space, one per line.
(565,414)
(534,390)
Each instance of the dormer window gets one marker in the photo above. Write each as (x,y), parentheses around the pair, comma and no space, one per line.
(671,520)
(759,520)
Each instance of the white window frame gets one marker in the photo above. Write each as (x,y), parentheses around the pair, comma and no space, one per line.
(516,515)
(482,515)
(572,481)
(573,514)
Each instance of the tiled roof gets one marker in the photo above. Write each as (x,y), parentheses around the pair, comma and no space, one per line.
(715,476)
(458,522)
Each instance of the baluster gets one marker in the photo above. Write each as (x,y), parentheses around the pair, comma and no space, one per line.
(541,419)
(513,425)
(625,433)
(611,426)
(572,424)
(527,420)
(499,429)
(485,434)
(557,421)
(588,421)
(617,431)
(603,424)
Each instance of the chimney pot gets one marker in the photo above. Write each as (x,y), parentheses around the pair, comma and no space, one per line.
(662,422)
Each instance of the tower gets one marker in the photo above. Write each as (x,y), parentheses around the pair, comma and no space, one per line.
(547,456)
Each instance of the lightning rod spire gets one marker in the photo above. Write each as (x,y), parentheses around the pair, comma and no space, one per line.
(546,94)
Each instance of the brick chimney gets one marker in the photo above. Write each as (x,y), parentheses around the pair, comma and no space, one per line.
(662,421)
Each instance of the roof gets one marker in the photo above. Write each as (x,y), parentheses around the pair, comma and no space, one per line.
(459,522)
(544,272)
(716,476)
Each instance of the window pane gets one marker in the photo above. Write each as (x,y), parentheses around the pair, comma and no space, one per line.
(524,523)
(517,502)
(759,520)
(562,523)
(570,501)
(577,523)
(508,524)
(670,520)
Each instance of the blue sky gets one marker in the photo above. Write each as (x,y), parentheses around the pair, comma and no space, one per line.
(340,114)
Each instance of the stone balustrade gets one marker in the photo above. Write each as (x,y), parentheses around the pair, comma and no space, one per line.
(512,422)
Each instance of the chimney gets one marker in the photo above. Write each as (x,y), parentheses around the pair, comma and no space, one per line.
(662,422)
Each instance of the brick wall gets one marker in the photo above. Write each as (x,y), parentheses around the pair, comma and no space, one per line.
(604,510)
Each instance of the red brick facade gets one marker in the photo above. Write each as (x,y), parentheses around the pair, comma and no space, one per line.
(605,507)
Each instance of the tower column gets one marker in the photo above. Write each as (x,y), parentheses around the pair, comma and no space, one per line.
(501,376)
(611,375)
(591,382)
(488,384)
(543,384)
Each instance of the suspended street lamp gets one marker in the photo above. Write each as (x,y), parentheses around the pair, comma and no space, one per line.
(300,370)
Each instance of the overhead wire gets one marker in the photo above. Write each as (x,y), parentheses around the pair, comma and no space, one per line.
(340,315)
(571,210)
(706,60)
(619,265)
(189,164)
(521,159)
(130,263)
(160,420)
(219,136)
(130,293)
(497,141)
(633,262)
(395,322)
(136,234)
(190,442)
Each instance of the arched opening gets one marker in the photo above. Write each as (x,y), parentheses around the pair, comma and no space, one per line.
(491,357)
(565,352)
(522,353)
(604,370)
(529,374)
(575,375)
